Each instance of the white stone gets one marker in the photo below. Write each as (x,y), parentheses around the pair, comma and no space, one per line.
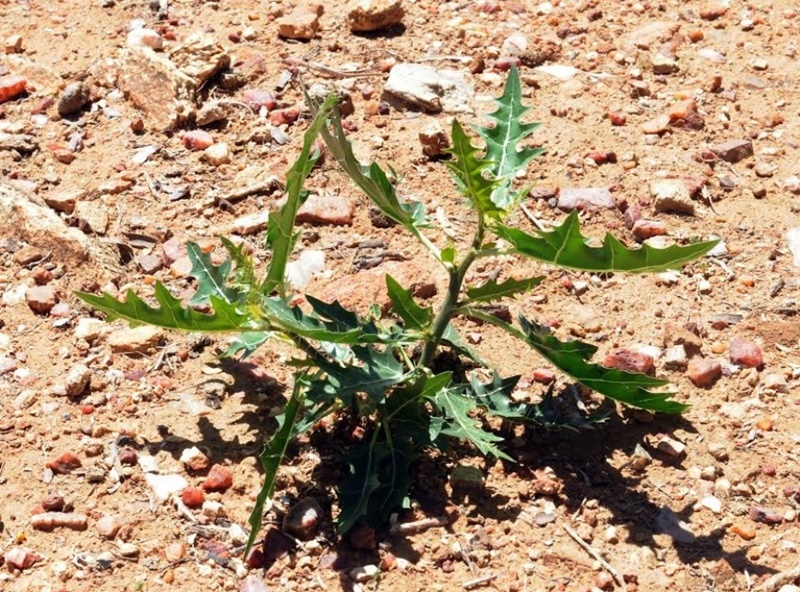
(671,196)
(77,380)
(15,295)
(145,38)
(89,329)
(212,509)
(364,574)
(793,237)
(249,224)
(559,71)
(147,463)
(430,89)
(165,486)
(191,455)
(712,503)
(675,358)
(217,154)
(300,272)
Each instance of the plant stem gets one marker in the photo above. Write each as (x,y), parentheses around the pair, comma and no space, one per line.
(448,309)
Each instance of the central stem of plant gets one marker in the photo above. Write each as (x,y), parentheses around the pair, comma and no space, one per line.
(448,309)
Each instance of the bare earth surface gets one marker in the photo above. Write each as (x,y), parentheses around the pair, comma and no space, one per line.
(682,114)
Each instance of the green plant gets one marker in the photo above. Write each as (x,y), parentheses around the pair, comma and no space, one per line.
(381,369)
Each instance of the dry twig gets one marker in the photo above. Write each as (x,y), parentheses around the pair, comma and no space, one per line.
(596,554)
(779,580)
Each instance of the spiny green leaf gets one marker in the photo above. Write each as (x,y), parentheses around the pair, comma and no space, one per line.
(502,139)
(414,316)
(566,247)
(272,457)
(248,342)
(470,173)
(170,314)
(572,357)
(244,275)
(292,320)
(335,312)
(210,278)
(355,494)
(495,396)
(491,290)
(452,339)
(280,230)
(403,406)
(377,372)
(458,424)
(379,481)
(371,179)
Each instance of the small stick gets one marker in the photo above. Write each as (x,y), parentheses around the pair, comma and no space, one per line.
(469,584)
(710,201)
(267,186)
(529,215)
(724,267)
(596,554)
(182,509)
(779,580)
(417,526)
(321,68)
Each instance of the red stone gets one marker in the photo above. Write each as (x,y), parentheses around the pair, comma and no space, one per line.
(197,140)
(193,497)
(746,354)
(703,372)
(544,375)
(11,87)
(644,229)
(284,116)
(332,209)
(219,479)
(64,463)
(20,557)
(128,456)
(617,118)
(41,299)
(628,361)
(257,98)
(53,503)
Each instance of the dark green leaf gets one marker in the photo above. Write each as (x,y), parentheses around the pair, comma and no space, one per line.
(375,373)
(471,174)
(292,320)
(491,290)
(572,357)
(495,396)
(170,314)
(414,316)
(502,139)
(280,231)
(364,481)
(458,424)
(272,456)
(566,247)
(335,312)
(453,340)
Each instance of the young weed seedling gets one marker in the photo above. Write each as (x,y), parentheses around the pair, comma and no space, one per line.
(382,370)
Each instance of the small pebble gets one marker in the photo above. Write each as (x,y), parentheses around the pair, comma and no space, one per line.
(219,479)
